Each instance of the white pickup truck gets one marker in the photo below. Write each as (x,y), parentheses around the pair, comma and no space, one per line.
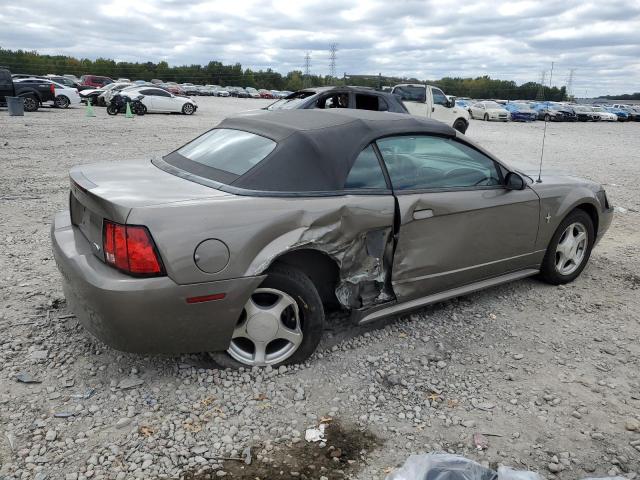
(431,102)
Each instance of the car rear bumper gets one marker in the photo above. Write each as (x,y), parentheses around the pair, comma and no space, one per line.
(144,315)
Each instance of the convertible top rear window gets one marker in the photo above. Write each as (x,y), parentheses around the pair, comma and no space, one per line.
(222,154)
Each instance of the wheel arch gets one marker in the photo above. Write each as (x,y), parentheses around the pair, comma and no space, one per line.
(321,269)
(592,211)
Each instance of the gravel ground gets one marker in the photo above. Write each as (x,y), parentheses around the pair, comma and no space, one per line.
(548,375)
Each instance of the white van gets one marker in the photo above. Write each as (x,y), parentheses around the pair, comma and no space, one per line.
(431,102)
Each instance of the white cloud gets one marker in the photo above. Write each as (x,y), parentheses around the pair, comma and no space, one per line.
(513,40)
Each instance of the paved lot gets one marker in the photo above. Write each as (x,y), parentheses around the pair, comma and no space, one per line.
(551,376)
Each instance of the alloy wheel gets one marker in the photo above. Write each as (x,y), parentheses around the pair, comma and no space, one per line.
(269,330)
(571,249)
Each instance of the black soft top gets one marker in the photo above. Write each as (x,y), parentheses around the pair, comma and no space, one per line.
(316,148)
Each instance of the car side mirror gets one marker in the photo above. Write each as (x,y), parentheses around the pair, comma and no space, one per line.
(451,102)
(514,181)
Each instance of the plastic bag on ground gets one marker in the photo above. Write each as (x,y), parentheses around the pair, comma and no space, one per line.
(508,473)
(442,466)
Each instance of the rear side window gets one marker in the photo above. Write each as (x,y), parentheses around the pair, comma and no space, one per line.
(226,150)
(411,93)
(366,172)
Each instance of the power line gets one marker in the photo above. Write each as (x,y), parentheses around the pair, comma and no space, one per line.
(543,77)
(307,68)
(333,50)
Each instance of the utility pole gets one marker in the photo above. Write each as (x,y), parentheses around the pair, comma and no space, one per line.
(543,78)
(333,50)
(570,83)
(307,69)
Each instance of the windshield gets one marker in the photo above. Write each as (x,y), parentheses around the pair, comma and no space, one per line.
(411,93)
(522,107)
(221,152)
(492,105)
(292,102)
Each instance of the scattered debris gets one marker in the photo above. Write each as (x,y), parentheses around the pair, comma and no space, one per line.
(26,378)
(63,414)
(480,441)
(315,434)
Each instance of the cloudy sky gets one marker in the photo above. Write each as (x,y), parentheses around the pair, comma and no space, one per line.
(512,40)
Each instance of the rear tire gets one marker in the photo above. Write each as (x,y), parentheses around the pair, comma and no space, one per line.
(556,257)
(293,284)
(31,103)
(112,110)
(547,117)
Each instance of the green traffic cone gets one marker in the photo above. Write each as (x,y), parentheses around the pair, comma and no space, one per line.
(89,111)
(128,113)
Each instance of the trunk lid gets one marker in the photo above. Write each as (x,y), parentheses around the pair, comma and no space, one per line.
(111,190)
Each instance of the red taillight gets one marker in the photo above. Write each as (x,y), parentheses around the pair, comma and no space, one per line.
(130,248)
(52,87)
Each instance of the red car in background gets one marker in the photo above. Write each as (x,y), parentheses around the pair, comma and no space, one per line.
(265,93)
(95,81)
(174,88)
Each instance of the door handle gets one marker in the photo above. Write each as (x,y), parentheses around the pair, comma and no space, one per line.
(422,214)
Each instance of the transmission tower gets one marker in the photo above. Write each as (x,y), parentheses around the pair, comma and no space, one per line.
(543,79)
(570,83)
(333,50)
(307,69)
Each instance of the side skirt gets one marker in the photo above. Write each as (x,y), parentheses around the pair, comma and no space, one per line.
(393,308)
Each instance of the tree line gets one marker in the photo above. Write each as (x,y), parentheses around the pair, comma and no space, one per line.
(214,72)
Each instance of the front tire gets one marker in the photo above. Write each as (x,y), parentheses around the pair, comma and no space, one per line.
(188,109)
(569,249)
(112,110)
(281,323)
(460,125)
(61,101)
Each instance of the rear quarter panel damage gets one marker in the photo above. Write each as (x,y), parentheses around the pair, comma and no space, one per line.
(354,230)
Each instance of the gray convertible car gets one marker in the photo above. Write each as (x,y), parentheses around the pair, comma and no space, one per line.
(239,242)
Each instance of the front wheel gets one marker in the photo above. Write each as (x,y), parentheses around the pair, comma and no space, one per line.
(112,110)
(281,323)
(569,249)
(547,117)
(188,109)
(61,101)
(460,125)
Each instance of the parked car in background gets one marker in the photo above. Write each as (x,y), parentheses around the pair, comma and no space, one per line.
(222,92)
(253,93)
(427,101)
(174,88)
(95,81)
(521,112)
(489,110)
(105,97)
(604,114)
(63,95)
(61,79)
(622,115)
(190,89)
(156,81)
(359,98)
(72,78)
(632,112)
(158,100)
(239,92)
(552,112)
(265,93)
(123,80)
(231,227)
(585,113)
(33,94)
